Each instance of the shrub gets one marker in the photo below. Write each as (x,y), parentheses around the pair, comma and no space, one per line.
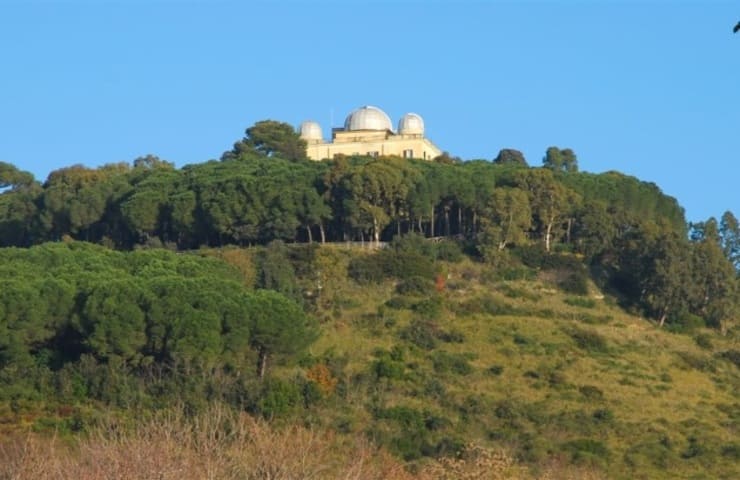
(496,370)
(575,282)
(704,341)
(279,398)
(585,450)
(486,304)
(387,368)
(588,340)
(732,356)
(415,286)
(449,251)
(590,392)
(366,269)
(685,322)
(400,303)
(456,363)
(531,255)
(580,302)
(430,308)
(422,333)
(406,264)
(513,292)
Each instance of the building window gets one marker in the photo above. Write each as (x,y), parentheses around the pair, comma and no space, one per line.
(373,154)
(408,153)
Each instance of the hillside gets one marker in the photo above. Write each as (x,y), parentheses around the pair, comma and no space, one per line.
(441,319)
(508,357)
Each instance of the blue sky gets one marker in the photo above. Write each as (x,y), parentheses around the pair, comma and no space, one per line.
(649,88)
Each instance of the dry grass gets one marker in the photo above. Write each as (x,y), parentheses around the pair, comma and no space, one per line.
(221,444)
(218,444)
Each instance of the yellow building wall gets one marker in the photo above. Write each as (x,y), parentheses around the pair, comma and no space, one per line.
(370,144)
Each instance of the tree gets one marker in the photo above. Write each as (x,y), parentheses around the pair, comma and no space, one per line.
(549,199)
(270,138)
(278,327)
(10,176)
(713,281)
(509,156)
(560,160)
(151,162)
(507,217)
(113,321)
(729,231)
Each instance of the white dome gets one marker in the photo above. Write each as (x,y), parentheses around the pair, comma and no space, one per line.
(311,131)
(368,118)
(411,124)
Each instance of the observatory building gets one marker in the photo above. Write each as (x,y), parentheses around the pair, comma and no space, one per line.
(368,131)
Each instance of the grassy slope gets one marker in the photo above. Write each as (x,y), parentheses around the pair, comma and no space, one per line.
(653,404)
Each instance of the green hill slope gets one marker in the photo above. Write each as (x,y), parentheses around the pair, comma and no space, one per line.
(554,377)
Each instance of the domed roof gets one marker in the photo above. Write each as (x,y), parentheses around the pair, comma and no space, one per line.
(368,118)
(411,124)
(310,131)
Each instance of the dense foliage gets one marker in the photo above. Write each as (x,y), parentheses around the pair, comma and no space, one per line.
(80,321)
(144,285)
(264,190)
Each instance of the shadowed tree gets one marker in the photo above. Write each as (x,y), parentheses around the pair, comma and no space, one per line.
(560,160)
(277,326)
(270,138)
(509,156)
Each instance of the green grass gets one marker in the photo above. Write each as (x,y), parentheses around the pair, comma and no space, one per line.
(544,374)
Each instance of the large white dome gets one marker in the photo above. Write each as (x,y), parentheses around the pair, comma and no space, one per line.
(411,124)
(310,131)
(368,118)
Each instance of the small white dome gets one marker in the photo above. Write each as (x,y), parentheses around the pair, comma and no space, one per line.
(368,118)
(311,131)
(411,124)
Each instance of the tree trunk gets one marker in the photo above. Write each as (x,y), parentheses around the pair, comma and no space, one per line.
(310,237)
(663,318)
(262,363)
(447,221)
(547,236)
(376,233)
(567,231)
(421,229)
(459,220)
(431,224)
(323,234)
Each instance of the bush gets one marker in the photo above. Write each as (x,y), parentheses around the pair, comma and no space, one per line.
(415,286)
(279,398)
(588,340)
(580,302)
(704,341)
(366,269)
(685,322)
(430,309)
(422,333)
(456,363)
(590,392)
(388,368)
(406,264)
(732,356)
(486,304)
(449,251)
(587,451)
(575,282)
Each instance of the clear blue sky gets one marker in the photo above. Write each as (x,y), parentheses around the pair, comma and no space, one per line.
(649,88)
